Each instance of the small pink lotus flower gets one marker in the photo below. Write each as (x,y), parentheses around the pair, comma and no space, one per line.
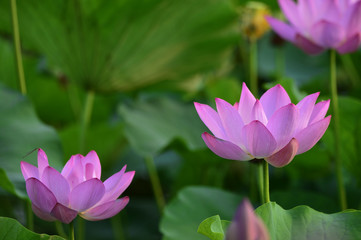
(272,128)
(76,190)
(316,25)
(246,225)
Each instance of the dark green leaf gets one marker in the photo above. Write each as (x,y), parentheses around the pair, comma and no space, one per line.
(213,228)
(13,230)
(192,205)
(151,125)
(20,133)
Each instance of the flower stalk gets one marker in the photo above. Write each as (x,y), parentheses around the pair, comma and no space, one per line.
(17,46)
(266,197)
(336,128)
(154,178)
(71,231)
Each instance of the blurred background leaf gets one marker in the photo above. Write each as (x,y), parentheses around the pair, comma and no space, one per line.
(20,133)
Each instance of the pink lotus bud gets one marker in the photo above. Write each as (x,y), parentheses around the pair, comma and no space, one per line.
(76,190)
(246,225)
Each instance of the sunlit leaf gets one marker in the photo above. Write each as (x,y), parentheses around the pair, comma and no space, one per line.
(125,44)
(213,227)
(303,222)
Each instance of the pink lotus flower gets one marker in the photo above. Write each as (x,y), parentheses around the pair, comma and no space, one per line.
(246,225)
(76,190)
(271,128)
(316,25)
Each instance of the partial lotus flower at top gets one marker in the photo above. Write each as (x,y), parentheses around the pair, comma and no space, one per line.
(272,127)
(316,25)
(76,190)
(246,225)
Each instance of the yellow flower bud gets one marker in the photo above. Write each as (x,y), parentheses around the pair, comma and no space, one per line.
(253,23)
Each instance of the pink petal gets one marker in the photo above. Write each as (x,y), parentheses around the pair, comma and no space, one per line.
(352,19)
(289,8)
(351,44)
(327,34)
(106,210)
(307,46)
(273,99)
(92,159)
(116,185)
(64,214)
(40,195)
(305,11)
(319,111)
(211,119)
(284,30)
(42,161)
(309,136)
(285,155)
(28,170)
(86,194)
(57,184)
(225,149)
(258,140)
(41,214)
(246,104)
(73,171)
(283,124)
(231,120)
(258,113)
(305,107)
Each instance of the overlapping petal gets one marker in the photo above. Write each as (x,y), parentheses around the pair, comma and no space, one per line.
(316,25)
(275,129)
(76,190)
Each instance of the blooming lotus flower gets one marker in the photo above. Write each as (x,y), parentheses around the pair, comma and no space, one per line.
(272,127)
(316,25)
(76,190)
(246,225)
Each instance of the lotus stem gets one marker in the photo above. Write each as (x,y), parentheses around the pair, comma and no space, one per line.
(117,227)
(336,127)
(260,181)
(71,231)
(29,216)
(154,178)
(87,112)
(265,182)
(17,46)
(253,68)
(60,229)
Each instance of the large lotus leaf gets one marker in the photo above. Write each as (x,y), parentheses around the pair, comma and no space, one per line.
(304,223)
(150,125)
(126,44)
(20,133)
(191,206)
(13,230)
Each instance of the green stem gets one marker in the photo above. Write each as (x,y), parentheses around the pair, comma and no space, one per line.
(265,182)
(29,216)
(18,55)
(260,181)
(253,68)
(117,227)
(87,112)
(80,233)
(336,126)
(154,178)
(71,231)
(60,229)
